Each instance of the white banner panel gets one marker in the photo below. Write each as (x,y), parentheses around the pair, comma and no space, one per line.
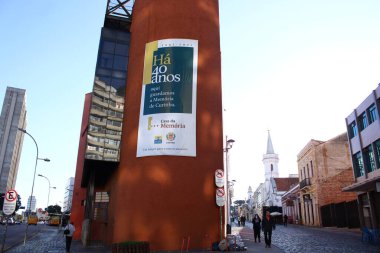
(167,123)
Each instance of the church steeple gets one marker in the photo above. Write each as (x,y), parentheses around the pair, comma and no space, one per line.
(270,160)
(270,149)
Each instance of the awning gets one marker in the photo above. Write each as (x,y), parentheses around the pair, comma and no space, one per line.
(363,186)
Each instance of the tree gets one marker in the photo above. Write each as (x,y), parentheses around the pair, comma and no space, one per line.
(56,209)
(239,202)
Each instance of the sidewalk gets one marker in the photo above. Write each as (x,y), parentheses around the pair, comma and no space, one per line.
(246,234)
(54,242)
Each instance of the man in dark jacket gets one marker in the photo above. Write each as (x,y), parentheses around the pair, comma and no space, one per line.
(268,225)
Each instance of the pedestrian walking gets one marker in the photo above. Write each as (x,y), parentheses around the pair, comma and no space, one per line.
(242,220)
(239,221)
(68,232)
(268,225)
(256,221)
(285,220)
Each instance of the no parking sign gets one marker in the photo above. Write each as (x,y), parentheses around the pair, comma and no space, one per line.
(220,196)
(10,200)
(219,178)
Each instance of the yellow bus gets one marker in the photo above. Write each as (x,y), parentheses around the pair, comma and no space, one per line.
(54,220)
(32,219)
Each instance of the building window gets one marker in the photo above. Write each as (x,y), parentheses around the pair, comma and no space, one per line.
(377,151)
(311,167)
(372,112)
(108,46)
(352,130)
(101,206)
(369,158)
(358,164)
(106,61)
(363,121)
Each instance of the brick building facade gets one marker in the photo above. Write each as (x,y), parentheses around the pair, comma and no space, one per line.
(324,169)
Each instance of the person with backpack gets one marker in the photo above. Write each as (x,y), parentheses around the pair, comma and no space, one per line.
(68,233)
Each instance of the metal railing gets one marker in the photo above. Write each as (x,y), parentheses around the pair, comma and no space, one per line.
(305,182)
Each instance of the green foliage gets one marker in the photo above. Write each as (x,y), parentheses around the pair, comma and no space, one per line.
(239,202)
(56,209)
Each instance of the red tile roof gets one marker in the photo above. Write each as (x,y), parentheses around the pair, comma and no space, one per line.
(285,183)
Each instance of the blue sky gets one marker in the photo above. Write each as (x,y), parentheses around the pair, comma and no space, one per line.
(295,67)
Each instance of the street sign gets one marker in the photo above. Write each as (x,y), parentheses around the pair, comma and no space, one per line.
(10,200)
(219,178)
(220,200)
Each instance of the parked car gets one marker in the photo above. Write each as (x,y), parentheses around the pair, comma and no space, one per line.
(11,221)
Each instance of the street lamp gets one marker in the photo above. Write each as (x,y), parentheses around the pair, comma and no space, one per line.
(49,188)
(228,146)
(34,177)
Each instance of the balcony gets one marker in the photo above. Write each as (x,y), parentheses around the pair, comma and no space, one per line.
(304,183)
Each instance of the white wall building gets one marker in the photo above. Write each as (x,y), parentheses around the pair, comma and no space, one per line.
(31,205)
(13,116)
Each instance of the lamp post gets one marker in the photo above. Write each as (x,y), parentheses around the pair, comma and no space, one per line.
(49,188)
(228,146)
(34,177)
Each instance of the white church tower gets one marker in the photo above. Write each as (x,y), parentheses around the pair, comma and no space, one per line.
(270,160)
(250,192)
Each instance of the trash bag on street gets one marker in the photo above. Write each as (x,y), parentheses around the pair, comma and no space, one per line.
(215,246)
(223,245)
(236,247)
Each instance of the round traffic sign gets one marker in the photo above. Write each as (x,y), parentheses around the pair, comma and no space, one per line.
(220,200)
(11,196)
(219,178)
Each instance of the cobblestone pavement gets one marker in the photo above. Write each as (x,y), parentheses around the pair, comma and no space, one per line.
(290,239)
(295,238)
(246,234)
(53,241)
(45,241)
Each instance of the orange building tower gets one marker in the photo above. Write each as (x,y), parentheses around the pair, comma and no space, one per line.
(161,190)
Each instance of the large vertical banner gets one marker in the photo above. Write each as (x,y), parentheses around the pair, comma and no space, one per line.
(167,123)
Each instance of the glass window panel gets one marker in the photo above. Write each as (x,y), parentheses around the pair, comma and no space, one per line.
(369,158)
(120,62)
(119,74)
(363,121)
(352,130)
(377,151)
(372,113)
(108,47)
(123,36)
(103,72)
(119,84)
(358,165)
(106,61)
(122,49)
(105,79)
